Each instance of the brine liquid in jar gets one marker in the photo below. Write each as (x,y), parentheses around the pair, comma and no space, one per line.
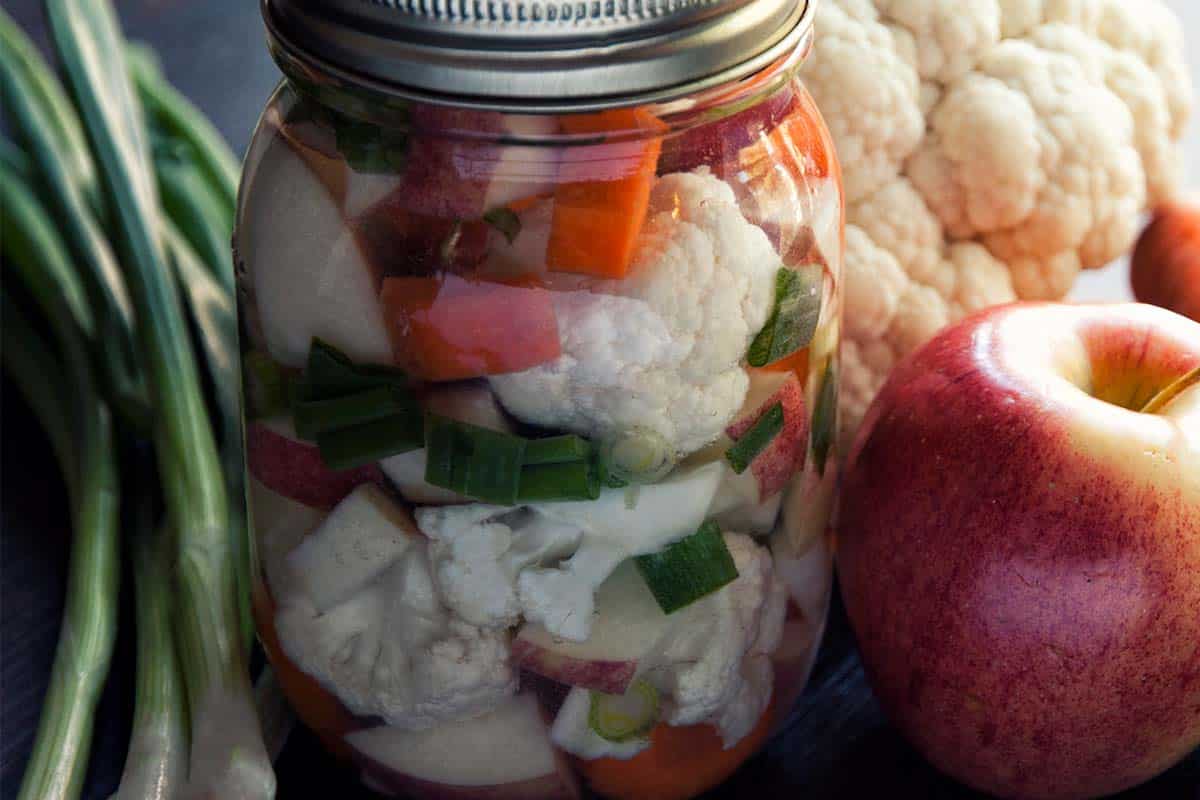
(540,432)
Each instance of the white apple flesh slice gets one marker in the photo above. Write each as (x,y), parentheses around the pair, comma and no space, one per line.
(280,525)
(774,467)
(364,535)
(626,630)
(504,755)
(308,274)
(293,468)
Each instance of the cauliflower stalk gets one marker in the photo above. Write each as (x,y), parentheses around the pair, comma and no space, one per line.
(992,149)
(662,348)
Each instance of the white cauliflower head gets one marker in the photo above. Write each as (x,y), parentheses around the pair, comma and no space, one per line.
(393,650)
(992,149)
(661,348)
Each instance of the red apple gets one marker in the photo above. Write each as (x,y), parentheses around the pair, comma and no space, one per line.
(504,755)
(1020,549)
(1166,262)
(716,142)
(294,469)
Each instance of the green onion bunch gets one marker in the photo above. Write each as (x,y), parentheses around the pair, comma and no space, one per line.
(119,328)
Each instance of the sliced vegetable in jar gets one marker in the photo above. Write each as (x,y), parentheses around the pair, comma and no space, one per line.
(638,456)
(347,448)
(557,450)
(474,461)
(793,322)
(314,417)
(331,373)
(370,148)
(447,328)
(687,570)
(622,717)
(267,385)
(755,440)
(546,483)
(824,424)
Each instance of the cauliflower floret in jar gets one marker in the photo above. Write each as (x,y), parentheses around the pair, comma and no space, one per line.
(662,348)
(393,649)
(712,666)
(545,561)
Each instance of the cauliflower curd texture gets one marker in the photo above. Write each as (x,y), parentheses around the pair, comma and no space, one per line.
(661,348)
(991,150)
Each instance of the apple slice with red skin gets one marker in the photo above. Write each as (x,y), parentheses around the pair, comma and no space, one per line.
(293,468)
(503,755)
(1019,549)
(720,141)
(627,627)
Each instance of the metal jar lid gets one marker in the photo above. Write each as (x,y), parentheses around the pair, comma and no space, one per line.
(537,55)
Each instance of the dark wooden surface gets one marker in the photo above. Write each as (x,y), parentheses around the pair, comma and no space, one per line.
(837,744)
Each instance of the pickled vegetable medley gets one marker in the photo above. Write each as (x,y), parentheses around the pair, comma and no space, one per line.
(541,414)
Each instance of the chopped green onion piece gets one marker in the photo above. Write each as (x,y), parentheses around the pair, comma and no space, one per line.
(330,373)
(266,384)
(505,220)
(314,417)
(639,456)
(689,569)
(370,148)
(557,450)
(755,440)
(348,448)
(474,461)
(793,322)
(544,483)
(824,424)
(622,717)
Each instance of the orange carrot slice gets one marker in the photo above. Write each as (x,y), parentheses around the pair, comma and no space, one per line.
(681,762)
(604,191)
(447,328)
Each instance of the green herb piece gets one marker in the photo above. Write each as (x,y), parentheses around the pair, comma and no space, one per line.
(330,373)
(689,569)
(474,461)
(370,148)
(755,440)
(347,448)
(622,717)
(557,450)
(314,417)
(547,483)
(505,220)
(824,424)
(793,322)
(266,385)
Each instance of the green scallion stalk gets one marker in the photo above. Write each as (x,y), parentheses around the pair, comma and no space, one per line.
(547,483)
(330,373)
(347,448)
(43,121)
(175,114)
(687,570)
(58,763)
(156,763)
(199,214)
(624,717)
(227,754)
(474,461)
(557,450)
(756,439)
(13,159)
(635,457)
(267,385)
(315,417)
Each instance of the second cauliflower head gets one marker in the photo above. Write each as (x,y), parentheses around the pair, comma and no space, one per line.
(992,149)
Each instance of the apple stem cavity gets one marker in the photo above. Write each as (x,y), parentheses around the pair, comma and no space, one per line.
(1176,388)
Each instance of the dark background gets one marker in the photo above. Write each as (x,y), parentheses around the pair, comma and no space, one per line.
(837,744)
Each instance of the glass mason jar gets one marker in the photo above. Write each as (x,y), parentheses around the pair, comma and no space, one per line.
(540,426)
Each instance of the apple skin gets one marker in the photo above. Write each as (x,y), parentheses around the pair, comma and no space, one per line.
(1021,561)
(294,469)
(1165,268)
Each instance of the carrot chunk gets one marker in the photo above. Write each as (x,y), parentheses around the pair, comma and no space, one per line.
(603,192)
(447,328)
